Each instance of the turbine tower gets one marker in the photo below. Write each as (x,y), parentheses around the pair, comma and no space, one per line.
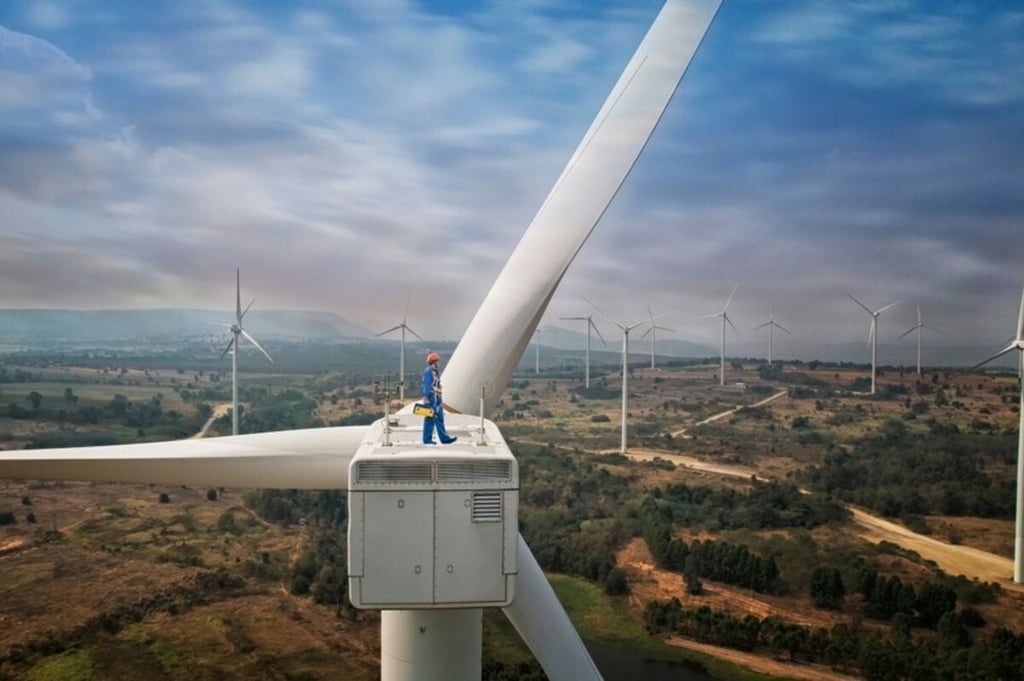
(724,314)
(919,327)
(442,640)
(1018,345)
(236,331)
(873,336)
(772,325)
(589,319)
(536,351)
(626,328)
(401,360)
(653,330)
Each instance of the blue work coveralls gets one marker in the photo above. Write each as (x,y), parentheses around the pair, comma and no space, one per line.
(432,397)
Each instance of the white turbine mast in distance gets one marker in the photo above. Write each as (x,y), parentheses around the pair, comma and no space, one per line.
(1018,345)
(653,330)
(724,314)
(401,358)
(772,325)
(919,327)
(444,641)
(536,351)
(589,319)
(873,336)
(232,347)
(626,328)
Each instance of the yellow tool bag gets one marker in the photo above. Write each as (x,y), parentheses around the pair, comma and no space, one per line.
(424,410)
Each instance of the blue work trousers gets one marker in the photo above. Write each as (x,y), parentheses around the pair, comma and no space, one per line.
(437,421)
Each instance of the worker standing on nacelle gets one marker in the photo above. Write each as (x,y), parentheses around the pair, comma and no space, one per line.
(433,398)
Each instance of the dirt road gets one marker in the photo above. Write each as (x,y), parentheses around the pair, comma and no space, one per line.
(220,410)
(730,412)
(954,559)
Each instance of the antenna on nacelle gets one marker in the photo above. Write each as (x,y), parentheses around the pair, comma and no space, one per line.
(387,408)
(483,410)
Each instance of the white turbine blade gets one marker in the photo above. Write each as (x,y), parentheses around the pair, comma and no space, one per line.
(601,312)
(761,326)
(258,346)
(405,315)
(315,458)
(930,328)
(919,315)
(649,330)
(541,621)
(729,299)
(596,330)
(866,308)
(409,329)
(659,316)
(726,317)
(911,330)
(1010,347)
(230,343)
(393,328)
(709,316)
(238,294)
(650,314)
(781,327)
(881,310)
(1020,318)
(574,319)
(663,328)
(502,328)
(246,309)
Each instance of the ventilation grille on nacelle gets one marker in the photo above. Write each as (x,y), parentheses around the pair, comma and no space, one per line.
(487,507)
(380,471)
(456,471)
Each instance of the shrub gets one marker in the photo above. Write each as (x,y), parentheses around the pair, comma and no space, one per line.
(164,499)
(211,495)
(600,418)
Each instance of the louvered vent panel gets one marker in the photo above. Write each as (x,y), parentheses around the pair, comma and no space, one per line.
(487,507)
(472,471)
(394,472)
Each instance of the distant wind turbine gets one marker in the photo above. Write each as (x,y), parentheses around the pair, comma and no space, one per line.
(401,360)
(626,328)
(873,336)
(1018,345)
(536,351)
(653,330)
(236,331)
(919,327)
(772,325)
(590,325)
(725,318)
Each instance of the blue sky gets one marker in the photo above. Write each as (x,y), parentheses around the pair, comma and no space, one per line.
(345,154)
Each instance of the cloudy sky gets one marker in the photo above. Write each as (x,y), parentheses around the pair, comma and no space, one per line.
(347,153)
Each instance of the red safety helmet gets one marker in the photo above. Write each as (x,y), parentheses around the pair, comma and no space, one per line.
(433,357)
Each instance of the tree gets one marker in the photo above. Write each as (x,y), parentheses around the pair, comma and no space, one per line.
(69,394)
(35,399)
(694,586)
(211,495)
(164,499)
(827,587)
(615,583)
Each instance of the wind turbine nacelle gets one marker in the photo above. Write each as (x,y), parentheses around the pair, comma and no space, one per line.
(432,526)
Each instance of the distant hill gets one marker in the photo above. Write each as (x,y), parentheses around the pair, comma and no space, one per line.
(94,325)
(564,339)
